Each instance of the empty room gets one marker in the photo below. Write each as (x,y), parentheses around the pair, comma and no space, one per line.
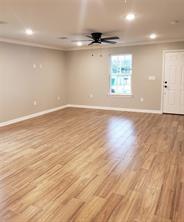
(91,111)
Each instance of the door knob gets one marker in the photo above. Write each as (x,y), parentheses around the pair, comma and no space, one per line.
(165,86)
(165,82)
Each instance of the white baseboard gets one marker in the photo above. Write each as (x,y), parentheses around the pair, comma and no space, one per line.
(20,119)
(116,109)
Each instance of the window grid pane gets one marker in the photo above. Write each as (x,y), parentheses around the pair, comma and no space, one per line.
(121,71)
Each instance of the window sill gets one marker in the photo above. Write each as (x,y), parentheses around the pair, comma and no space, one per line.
(120,95)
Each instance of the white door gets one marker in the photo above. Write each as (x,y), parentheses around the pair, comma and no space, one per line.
(173,98)
(182,86)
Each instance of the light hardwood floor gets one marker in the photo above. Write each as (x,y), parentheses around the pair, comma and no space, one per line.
(90,165)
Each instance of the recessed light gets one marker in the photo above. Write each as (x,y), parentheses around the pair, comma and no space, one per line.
(130,17)
(79,43)
(153,36)
(29,31)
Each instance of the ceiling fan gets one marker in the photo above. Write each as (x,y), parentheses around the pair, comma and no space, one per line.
(96,38)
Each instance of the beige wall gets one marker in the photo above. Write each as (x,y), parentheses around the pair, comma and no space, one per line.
(73,76)
(89,74)
(21,84)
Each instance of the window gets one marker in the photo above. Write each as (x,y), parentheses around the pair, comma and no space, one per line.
(121,75)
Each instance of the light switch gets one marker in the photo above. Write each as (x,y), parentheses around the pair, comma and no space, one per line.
(152,78)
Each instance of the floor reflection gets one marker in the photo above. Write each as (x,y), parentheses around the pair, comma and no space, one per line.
(121,139)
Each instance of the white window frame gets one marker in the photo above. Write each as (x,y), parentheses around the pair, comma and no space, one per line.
(122,94)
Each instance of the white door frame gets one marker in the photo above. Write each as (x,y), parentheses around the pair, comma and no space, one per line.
(163,73)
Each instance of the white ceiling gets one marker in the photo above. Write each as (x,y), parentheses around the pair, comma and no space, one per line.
(51,19)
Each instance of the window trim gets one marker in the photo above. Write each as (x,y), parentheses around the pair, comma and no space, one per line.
(109,90)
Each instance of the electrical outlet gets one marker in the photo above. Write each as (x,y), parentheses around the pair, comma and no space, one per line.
(34,66)
(142,100)
(58,98)
(41,66)
(35,103)
(91,96)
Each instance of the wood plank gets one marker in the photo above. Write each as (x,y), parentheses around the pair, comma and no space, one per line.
(93,165)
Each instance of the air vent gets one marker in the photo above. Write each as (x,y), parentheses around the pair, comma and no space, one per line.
(175,22)
(63,38)
(3,23)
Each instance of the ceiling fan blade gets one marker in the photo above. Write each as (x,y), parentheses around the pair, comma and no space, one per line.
(110,38)
(89,36)
(109,42)
(84,40)
(91,43)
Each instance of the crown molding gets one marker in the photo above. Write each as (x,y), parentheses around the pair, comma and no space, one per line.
(124,45)
(18,42)
(24,43)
